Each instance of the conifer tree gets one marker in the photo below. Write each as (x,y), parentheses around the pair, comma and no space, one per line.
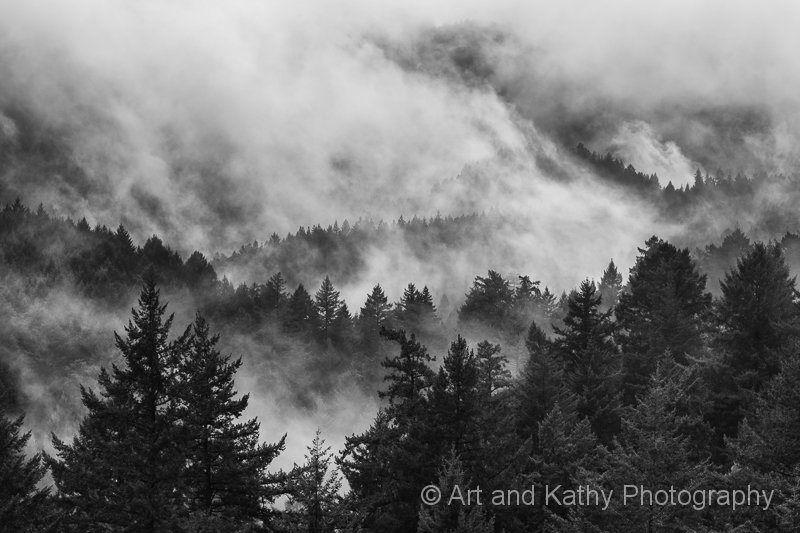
(759,315)
(387,465)
(375,312)
(759,328)
(374,315)
(493,374)
(314,491)
(540,386)
(527,304)
(200,275)
(453,518)
(768,442)
(610,286)
(665,308)
(124,468)
(342,332)
(590,361)
(488,302)
(274,295)
(654,451)
(455,404)
(301,315)
(567,454)
(226,467)
(327,304)
(22,503)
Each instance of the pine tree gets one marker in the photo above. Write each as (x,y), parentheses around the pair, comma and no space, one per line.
(367,463)
(275,297)
(314,489)
(455,404)
(610,286)
(488,303)
(301,314)
(768,442)
(22,503)
(654,451)
(567,454)
(225,472)
(374,315)
(758,314)
(759,328)
(387,465)
(123,469)
(342,330)
(527,304)
(664,309)
(493,374)
(199,273)
(540,386)
(327,304)
(416,312)
(453,518)
(590,361)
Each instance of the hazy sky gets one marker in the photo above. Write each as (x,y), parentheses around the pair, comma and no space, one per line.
(216,123)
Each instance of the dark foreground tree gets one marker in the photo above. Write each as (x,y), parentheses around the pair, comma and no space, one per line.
(226,468)
(664,308)
(457,516)
(388,464)
(654,451)
(22,503)
(159,449)
(589,357)
(314,501)
(123,469)
(758,329)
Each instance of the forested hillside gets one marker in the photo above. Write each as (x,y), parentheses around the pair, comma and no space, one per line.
(643,379)
(399,267)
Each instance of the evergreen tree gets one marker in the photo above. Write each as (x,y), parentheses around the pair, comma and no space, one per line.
(387,465)
(453,518)
(314,489)
(342,330)
(540,386)
(455,404)
(488,303)
(327,304)
(758,314)
(124,468)
(665,308)
(226,467)
(374,315)
(275,297)
(493,374)
(590,361)
(767,447)
(416,311)
(200,275)
(654,451)
(22,504)
(301,315)
(567,454)
(759,328)
(610,287)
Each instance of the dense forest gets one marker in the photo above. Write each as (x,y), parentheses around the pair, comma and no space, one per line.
(399,267)
(656,379)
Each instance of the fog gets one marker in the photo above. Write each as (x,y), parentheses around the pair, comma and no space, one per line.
(215,124)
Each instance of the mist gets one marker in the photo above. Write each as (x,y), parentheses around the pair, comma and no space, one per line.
(213,125)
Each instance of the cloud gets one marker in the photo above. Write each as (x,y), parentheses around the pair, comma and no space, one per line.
(217,123)
(636,143)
